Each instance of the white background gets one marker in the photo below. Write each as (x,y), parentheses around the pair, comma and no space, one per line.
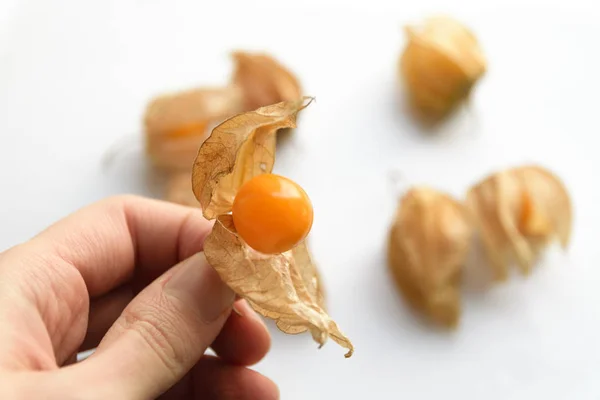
(74,80)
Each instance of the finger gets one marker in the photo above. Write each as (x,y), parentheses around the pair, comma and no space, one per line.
(43,309)
(93,250)
(211,378)
(162,333)
(245,339)
(71,360)
(108,239)
(214,379)
(104,311)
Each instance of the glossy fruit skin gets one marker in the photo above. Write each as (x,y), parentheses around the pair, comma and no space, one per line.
(272,213)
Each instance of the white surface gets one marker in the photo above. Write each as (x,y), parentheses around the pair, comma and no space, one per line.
(74,79)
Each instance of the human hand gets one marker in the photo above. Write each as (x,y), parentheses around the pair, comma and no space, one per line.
(102,277)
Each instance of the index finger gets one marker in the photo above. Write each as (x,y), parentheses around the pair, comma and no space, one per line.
(109,241)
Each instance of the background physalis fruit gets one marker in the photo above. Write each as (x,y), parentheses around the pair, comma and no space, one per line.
(272,213)
(263,80)
(283,286)
(440,65)
(177,123)
(427,249)
(518,212)
(179,189)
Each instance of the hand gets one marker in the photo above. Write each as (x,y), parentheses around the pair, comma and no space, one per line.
(126,275)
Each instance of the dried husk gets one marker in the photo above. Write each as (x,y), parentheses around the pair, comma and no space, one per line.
(263,80)
(238,149)
(177,123)
(284,287)
(427,249)
(179,189)
(518,213)
(310,274)
(440,65)
(280,287)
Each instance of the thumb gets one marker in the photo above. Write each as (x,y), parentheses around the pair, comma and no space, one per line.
(162,333)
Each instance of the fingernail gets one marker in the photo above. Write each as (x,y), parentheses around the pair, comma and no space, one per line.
(198,284)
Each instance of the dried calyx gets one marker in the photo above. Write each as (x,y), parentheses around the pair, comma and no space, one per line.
(518,212)
(440,65)
(283,286)
(427,248)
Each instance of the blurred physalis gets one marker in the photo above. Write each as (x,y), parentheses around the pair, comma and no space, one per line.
(263,80)
(177,123)
(440,65)
(518,212)
(427,248)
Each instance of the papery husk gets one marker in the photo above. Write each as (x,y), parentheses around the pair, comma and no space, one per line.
(179,189)
(283,287)
(264,80)
(440,65)
(310,274)
(176,124)
(427,248)
(238,149)
(519,212)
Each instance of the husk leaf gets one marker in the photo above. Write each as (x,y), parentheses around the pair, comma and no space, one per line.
(283,287)
(238,149)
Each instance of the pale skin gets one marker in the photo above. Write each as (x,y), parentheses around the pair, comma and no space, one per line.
(126,275)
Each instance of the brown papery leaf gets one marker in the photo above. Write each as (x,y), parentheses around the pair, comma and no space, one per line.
(237,150)
(518,212)
(177,123)
(283,287)
(263,80)
(427,249)
(179,190)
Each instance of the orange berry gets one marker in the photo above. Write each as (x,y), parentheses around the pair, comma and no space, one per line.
(272,214)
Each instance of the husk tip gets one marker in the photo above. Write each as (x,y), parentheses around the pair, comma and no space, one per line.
(305,101)
(409,31)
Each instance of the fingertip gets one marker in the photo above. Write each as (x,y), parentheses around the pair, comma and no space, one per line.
(245,339)
(214,378)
